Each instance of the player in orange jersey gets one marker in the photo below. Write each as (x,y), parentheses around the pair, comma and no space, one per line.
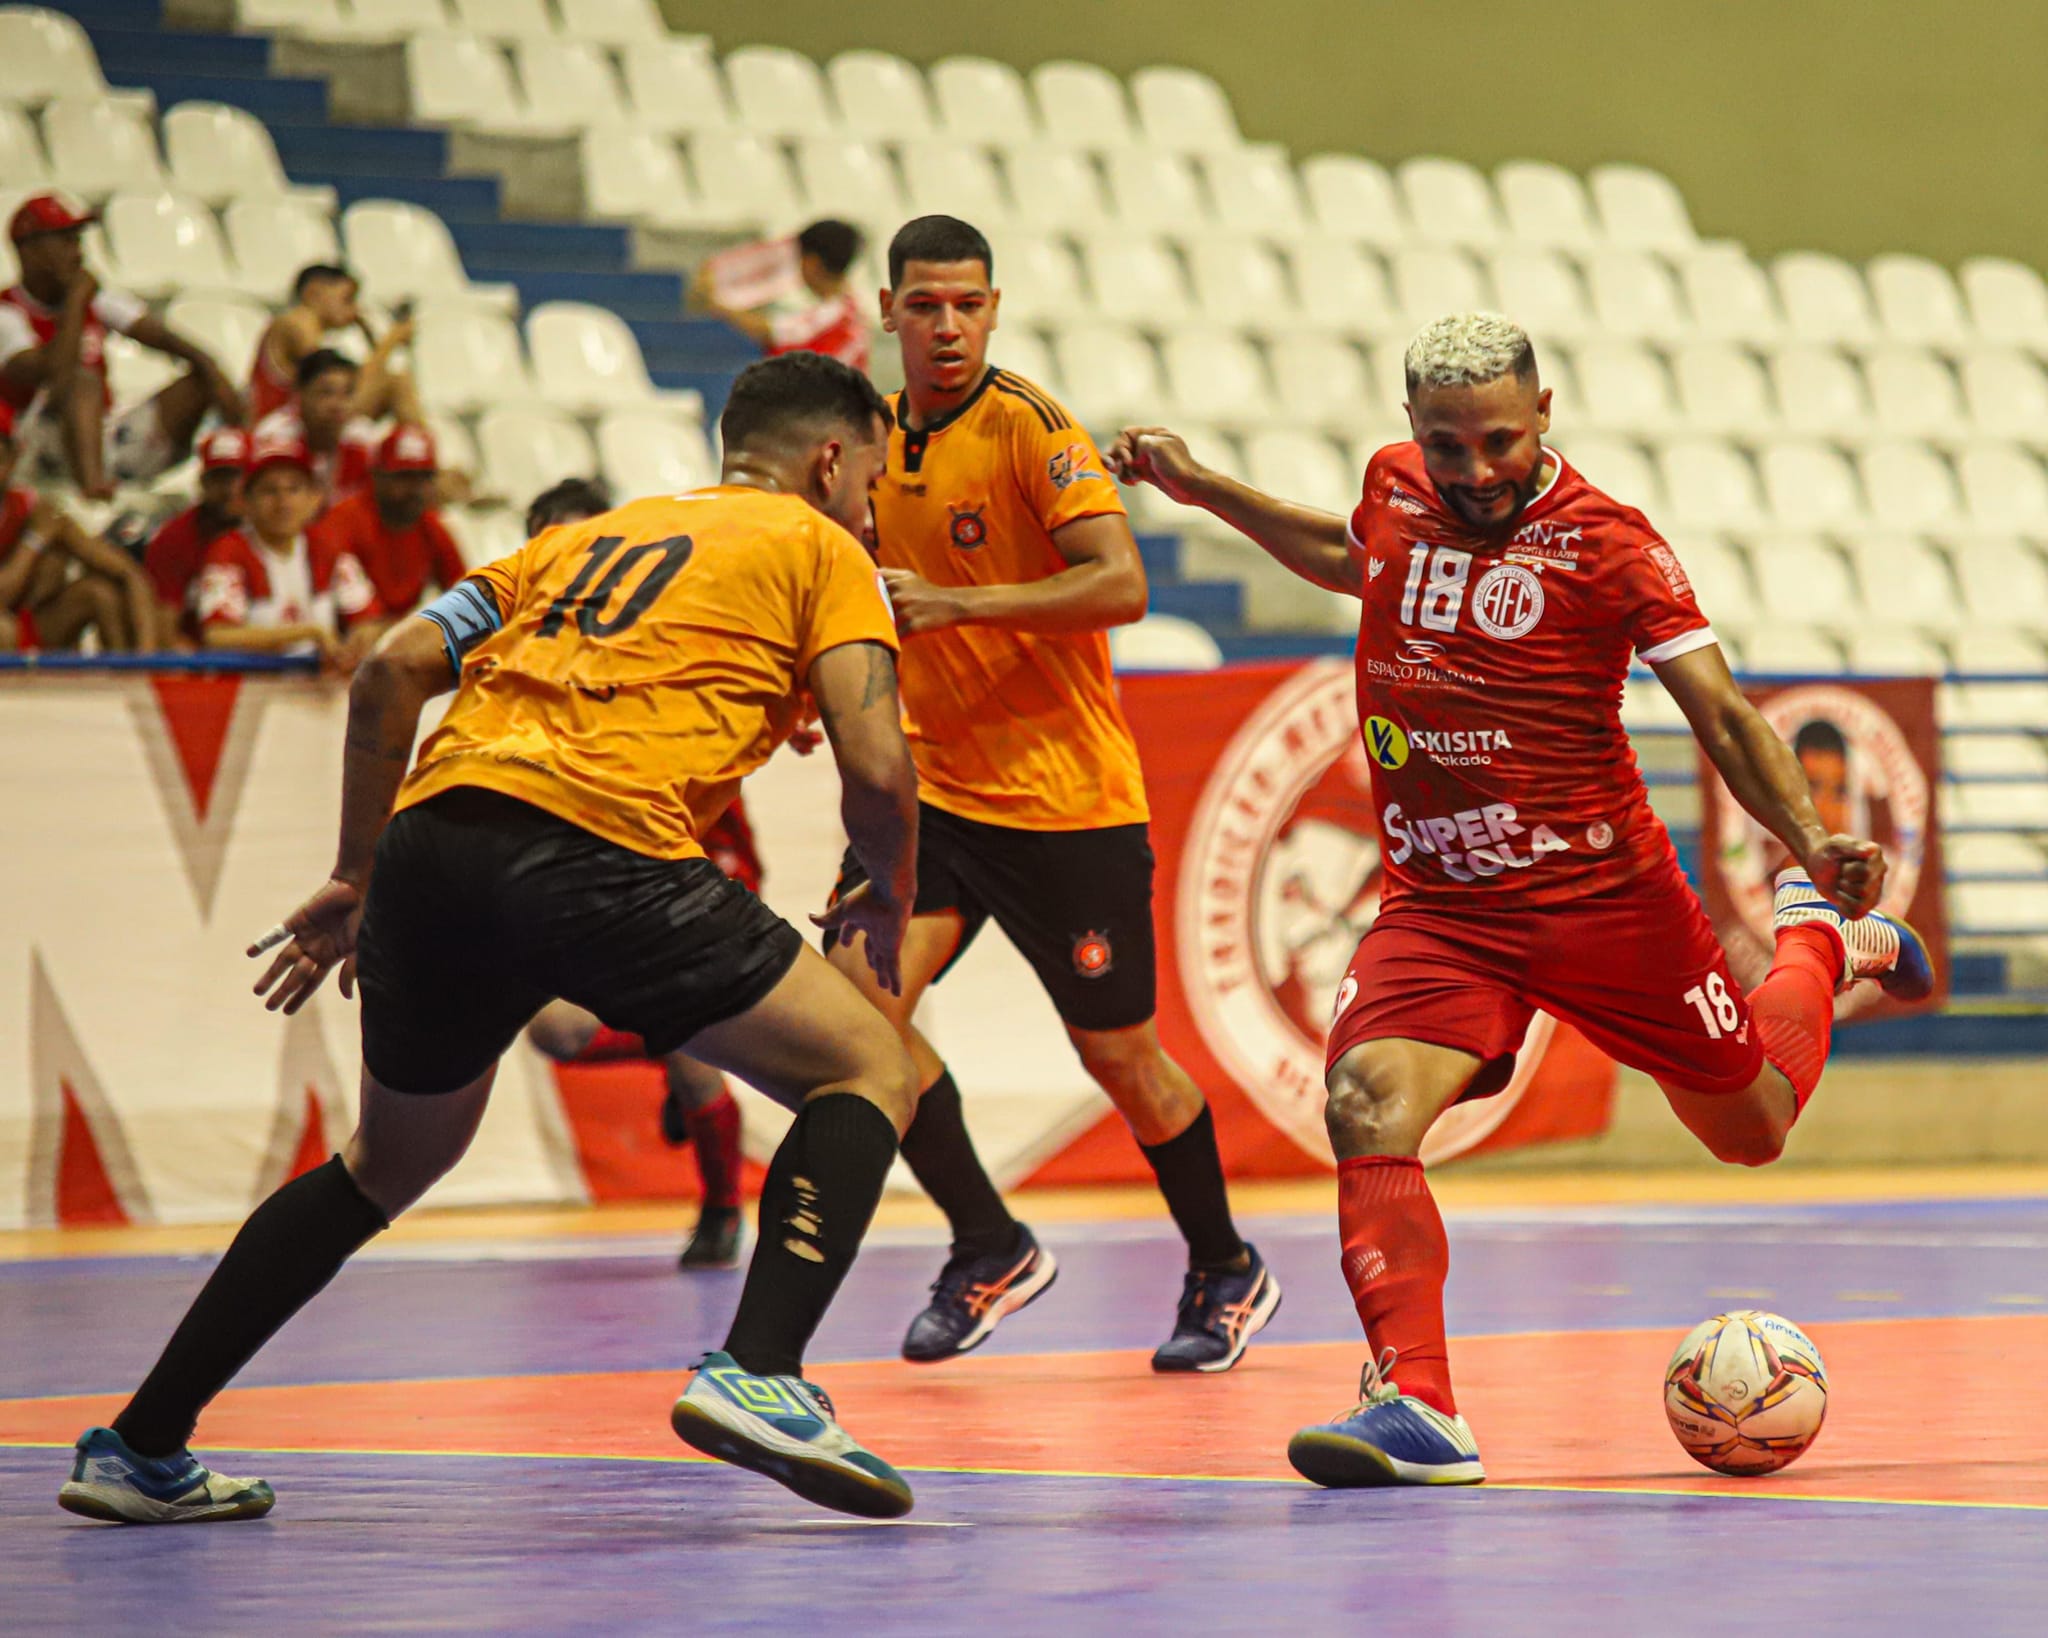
(614,679)
(1008,554)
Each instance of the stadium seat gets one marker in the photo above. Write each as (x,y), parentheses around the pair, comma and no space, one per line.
(881,97)
(1910,487)
(2008,302)
(468,360)
(1823,297)
(1137,281)
(524,449)
(634,23)
(983,101)
(1432,281)
(1241,283)
(2006,393)
(1807,486)
(1800,578)
(1155,192)
(778,92)
(1709,485)
(45,55)
(1820,394)
(1995,756)
(953,179)
(271,239)
(21,151)
(1163,642)
(1646,703)
(1545,205)
(1215,376)
(1618,467)
(382,22)
(1111,374)
(1082,105)
(1917,302)
(1994,705)
(1913,394)
(1720,577)
(1323,383)
(135,372)
(1723,389)
(743,181)
(401,250)
(1892,651)
(675,86)
(1635,296)
(1343,290)
(1039,279)
(1184,111)
(2004,584)
(1730,297)
(1253,191)
(1904,581)
(483,534)
(850,180)
(1302,467)
(1992,651)
(585,358)
(569,84)
(166,244)
(228,327)
(1642,209)
(1796,650)
(218,153)
(1449,202)
(1541,290)
(504,19)
(1024,352)
(1056,190)
(649,453)
(631,174)
(1622,389)
(98,148)
(1351,197)
(460,80)
(2003,488)
(1970,854)
(319,18)
(1990,906)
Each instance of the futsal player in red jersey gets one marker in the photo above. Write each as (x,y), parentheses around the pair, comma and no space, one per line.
(1503,598)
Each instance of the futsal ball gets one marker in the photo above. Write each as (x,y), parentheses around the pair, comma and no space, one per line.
(1746,1392)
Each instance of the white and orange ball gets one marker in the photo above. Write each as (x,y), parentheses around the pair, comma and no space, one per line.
(1746,1392)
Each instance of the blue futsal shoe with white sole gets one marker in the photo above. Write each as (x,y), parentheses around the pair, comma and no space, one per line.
(1391,1438)
(974,1294)
(782,1427)
(109,1481)
(1221,1310)
(1877,947)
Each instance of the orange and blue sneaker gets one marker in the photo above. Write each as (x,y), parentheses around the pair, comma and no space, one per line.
(1221,1310)
(1877,947)
(783,1428)
(109,1481)
(974,1293)
(1391,1438)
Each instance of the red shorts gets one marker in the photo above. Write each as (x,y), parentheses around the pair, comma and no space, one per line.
(1639,973)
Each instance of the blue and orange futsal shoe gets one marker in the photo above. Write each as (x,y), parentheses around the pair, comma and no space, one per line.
(1220,1313)
(783,1427)
(973,1294)
(1391,1438)
(110,1481)
(1877,947)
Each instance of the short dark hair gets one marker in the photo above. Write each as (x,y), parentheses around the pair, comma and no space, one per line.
(833,243)
(1820,735)
(319,361)
(569,501)
(314,273)
(775,398)
(938,239)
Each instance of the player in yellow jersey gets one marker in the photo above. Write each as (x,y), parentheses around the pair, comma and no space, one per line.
(616,678)
(1008,554)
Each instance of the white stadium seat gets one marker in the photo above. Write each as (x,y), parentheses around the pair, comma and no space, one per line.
(2008,302)
(1807,486)
(135,372)
(1970,854)
(1135,280)
(1352,197)
(1994,705)
(1082,105)
(483,534)
(21,151)
(881,97)
(1545,205)
(1993,651)
(381,22)
(953,179)
(2009,807)
(568,83)
(1430,282)
(99,148)
(228,327)
(1449,202)
(585,359)
(504,19)
(2006,393)
(632,174)
(1820,393)
(1797,650)
(1635,296)
(1302,467)
(1110,374)
(1720,577)
(1618,467)
(1623,388)
(1710,485)
(1242,283)
(455,448)
(401,250)
(1253,190)
(271,239)
(166,243)
(460,80)
(1729,297)
(1642,209)
(1910,487)
(1344,290)
(1019,351)
(1163,642)
(1913,394)
(45,55)
(1905,581)
(676,86)
(778,92)
(743,181)
(2004,584)
(1039,279)
(648,453)
(1824,297)
(1723,389)
(1216,376)
(1323,383)
(1994,756)
(468,360)
(1156,192)
(1917,301)
(1800,578)
(849,179)
(525,449)
(634,23)
(983,101)
(1540,289)
(1892,651)
(1056,190)
(218,153)
(1184,111)
(2003,488)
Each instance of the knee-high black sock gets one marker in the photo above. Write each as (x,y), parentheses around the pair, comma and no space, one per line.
(291,1246)
(1190,1174)
(941,1156)
(816,1202)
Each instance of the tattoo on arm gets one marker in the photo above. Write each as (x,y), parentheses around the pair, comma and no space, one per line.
(373,739)
(881,678)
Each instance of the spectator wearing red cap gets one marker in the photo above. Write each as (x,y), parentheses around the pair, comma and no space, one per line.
(322,416)
(324,301)
(392,530)
(53,372)
(177,551)
(267,587)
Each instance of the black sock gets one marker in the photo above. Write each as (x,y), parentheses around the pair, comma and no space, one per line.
(1190,1174)
(291,1246)
(820,1193)
(941,1157)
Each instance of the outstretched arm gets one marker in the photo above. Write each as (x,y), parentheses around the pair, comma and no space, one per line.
(1765,777)
(160,337)
(1312,543)
(1103,585)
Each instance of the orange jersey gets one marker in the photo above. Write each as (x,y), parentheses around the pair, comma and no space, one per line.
(649,659)
(1008,727)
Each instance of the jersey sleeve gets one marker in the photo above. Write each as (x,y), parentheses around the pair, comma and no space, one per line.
(848,604)
(1657,607)
(1059,469)
(507,577)
(1371,488)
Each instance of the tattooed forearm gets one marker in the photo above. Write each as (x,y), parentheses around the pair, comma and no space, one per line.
(384,739)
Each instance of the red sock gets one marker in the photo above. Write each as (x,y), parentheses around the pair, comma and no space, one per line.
(1395,1261)
(715,1135)
(1794,1007)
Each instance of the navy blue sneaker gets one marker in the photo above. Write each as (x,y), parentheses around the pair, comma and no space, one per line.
(1219,1315)
(783,1427)
(972,1295)
(1876,946)
(1389,1439)
(110,1481)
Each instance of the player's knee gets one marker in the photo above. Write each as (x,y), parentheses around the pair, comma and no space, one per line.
(1121,1065)
(1366,1110)
(557,1038)
(691,1082)
(1751,1145)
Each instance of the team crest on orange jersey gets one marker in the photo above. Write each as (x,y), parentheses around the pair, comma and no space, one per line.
(1092,956)
(968,529)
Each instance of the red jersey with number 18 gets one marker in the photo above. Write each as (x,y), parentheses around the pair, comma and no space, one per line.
(1490,671)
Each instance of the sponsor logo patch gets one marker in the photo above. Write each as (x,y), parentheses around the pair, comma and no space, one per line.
(1669,567)
(1386,743)
(1092,955)
(1072,465)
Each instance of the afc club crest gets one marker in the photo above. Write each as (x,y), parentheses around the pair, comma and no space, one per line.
(968,529)
(1092,956)
(1507,602)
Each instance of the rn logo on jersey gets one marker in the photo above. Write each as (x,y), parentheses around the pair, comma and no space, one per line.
(969,531)
(1092,955)
(1386,742)
(1507,602)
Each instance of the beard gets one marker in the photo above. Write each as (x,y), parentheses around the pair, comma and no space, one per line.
(1523,492)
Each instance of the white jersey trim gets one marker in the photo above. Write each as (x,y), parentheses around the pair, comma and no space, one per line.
(1684,643)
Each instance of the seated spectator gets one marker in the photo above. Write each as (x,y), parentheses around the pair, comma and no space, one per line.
(392,530)
(825,316)
(57,582)
(322,416)
(569,501)
(267,588)
(324,301)
(53,372)
(177,551)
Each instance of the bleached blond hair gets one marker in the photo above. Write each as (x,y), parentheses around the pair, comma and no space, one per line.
(1467,349)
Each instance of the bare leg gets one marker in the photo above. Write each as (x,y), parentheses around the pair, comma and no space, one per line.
(561,1030)
(1155,1096)
(180,408)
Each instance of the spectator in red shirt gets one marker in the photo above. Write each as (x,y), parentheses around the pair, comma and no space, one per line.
(322,416)
(323,301)
(828,318)
(177,551)
(393,531)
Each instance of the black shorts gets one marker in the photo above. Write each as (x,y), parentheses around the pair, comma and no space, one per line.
(1076,903)
(482,909)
